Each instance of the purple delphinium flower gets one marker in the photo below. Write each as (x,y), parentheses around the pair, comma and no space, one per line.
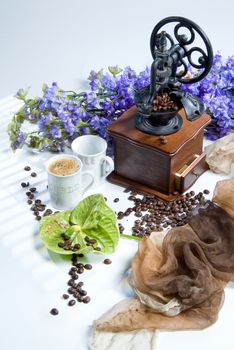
(94,79)
(55,132)
(91,99)
(213,91)
(95,122)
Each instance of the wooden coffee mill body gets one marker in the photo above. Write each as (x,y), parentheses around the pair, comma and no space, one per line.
(144,162)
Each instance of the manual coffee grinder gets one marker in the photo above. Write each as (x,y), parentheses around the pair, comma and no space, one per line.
(158,143)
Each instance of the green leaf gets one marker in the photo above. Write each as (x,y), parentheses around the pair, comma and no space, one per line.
(98,221)
(91,217)
(80,213)
(52,227)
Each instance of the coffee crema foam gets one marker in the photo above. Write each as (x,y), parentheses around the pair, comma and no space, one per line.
(64,166)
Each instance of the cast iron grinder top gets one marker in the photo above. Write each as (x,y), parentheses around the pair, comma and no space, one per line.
(158,104)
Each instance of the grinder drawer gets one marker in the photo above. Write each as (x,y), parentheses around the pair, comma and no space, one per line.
(189,173)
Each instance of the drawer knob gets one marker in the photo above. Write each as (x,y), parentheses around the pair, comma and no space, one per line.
(195,173)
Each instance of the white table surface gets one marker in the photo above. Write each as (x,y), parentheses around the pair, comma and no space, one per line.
(33,280)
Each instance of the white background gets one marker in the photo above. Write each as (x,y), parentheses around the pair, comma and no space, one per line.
(54,40)
(62,40)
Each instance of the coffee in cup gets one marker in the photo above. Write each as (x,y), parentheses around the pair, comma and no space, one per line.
(63,166)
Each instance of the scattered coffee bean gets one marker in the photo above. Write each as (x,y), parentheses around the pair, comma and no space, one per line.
(33,174)
(82,292)
(38,217)
(80,284)
(128,189)
(79,265)
(54,311)
(80,270)
(65,296)
(24,184)
(98,249)
(32,189)
(71,302)
(29,201)
(116,200)
(120,215)
(48,212)
(121,228)
(107,261)
(86,300)
(133,192)
(71,282)
(28,193)
(76,246)
(88,266)
(206,191)
(75,276)
(70,290)
(27,168)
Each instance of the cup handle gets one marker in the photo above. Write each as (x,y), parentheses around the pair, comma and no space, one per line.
(90,184)
(107,160)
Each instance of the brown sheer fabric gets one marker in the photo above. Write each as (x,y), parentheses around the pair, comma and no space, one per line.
(183,275)
(131,315)
(224,195)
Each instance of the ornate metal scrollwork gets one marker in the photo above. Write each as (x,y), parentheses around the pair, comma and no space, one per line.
(204,61)
(173,55)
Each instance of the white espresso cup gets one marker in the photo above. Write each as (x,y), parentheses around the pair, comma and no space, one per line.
(67,190)
(91,149)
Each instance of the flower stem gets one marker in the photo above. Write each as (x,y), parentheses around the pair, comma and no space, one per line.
(130,237)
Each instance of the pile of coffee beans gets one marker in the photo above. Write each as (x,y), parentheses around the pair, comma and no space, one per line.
(67,243)
(154,214)
(164,103)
